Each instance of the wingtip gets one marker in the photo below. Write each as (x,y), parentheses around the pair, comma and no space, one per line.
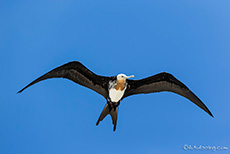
(19,92)
(211,115)
(209,112)
(23,89)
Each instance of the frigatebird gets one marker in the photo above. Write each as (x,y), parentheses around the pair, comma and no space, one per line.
(115,88)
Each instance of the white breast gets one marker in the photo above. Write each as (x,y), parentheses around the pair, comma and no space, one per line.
(115,95)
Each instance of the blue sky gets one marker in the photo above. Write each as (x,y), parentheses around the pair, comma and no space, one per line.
(189,39)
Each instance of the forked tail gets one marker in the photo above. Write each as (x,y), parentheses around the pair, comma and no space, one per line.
(113,113)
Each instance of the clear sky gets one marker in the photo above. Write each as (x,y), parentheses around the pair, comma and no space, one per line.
(188,38)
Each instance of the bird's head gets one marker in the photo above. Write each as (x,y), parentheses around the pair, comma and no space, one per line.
(123,77)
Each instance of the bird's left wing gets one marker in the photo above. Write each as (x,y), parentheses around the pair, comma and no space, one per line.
(78,73)
(163,82)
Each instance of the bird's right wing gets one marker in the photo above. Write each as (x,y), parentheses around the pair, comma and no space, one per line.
(78,73)
(163,82)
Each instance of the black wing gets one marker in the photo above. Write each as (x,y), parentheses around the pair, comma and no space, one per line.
(78,73)
(163,82)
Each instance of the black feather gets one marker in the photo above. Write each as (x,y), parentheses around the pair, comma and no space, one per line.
(78,73)
(163,82)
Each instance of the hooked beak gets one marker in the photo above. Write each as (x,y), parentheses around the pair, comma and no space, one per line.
(131,76)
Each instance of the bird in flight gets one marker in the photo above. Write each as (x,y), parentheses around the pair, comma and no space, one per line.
(114,89)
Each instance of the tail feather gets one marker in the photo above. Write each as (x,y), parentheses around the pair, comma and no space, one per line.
(113,113)
(104,113)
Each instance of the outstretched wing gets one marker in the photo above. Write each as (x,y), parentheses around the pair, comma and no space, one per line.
(163,82)
(78,73)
